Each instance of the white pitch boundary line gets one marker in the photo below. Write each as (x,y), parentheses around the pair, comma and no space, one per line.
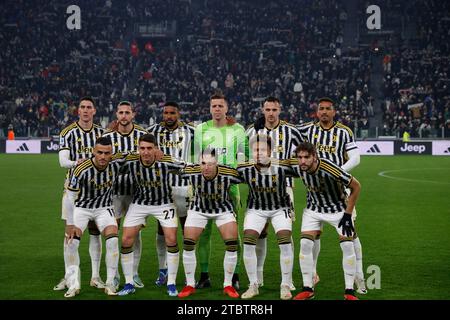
(384,174)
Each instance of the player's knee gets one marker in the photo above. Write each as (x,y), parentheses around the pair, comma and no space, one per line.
(283,238)
(173,248)
(231,245)
(250,239)
(188,244)
(171,239)
(124,249)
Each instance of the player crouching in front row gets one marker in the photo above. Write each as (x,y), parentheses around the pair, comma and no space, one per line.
(326,202)
(90,189)
(268,200)
(210,183)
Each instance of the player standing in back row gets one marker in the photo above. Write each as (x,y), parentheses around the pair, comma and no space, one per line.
(124,136)
(76,143)
(174,137)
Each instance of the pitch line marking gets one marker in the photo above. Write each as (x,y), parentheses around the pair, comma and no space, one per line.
(384,174)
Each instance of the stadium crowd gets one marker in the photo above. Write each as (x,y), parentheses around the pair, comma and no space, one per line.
(416,77)
(293,50)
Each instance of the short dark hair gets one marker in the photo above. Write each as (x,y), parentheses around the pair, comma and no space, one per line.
(218,95)
(104,141)
(209,152)
(171,104)
(148,137)
(126,103)
(271,99)
(260,138)
(306,146)
(326,99)
(88,98)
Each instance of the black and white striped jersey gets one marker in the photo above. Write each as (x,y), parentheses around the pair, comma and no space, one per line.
(79,142)
(285,138)
(150,181)
(125,144)
(267,185)
(94,186)
(331,144)
(326,186)
(211,195)
(177,142)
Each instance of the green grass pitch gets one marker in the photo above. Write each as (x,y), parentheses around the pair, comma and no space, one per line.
(403,223)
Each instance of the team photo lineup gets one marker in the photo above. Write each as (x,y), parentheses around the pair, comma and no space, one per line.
(225,150)
(132,173)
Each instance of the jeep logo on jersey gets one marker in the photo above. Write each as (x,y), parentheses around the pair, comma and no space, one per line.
(412,147)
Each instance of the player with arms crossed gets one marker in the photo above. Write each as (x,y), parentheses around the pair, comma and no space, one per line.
(76,144)
(326,202)
(211,201)
(335,142)
(174,137)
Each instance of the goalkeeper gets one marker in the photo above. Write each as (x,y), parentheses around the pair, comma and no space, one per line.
(230,142)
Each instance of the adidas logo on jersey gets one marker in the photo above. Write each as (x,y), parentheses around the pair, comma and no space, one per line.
(23,147)
(374,149)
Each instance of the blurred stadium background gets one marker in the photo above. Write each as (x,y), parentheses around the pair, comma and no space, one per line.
(385,82)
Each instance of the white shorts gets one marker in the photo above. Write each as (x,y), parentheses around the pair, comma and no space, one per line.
(257,219)
(137,215)
(313,221)
(67,209)
(181,196)
(121,204)
(103,217)
(199,219)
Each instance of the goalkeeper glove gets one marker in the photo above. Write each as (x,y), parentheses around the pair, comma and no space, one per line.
(346,224)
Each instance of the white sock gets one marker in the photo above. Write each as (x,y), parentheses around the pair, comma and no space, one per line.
(95,251)
(127,261)
(286,263)
(137,249)
(250,262)
(189,263)
(261,252)
(72,274)
(358,253)
(112,258)
(306,261)
(229,264)
(316,251)
(161,250)
(173,260)
(348,263)
(65,255)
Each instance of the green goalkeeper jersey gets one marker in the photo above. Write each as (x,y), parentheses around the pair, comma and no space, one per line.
(229,141)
